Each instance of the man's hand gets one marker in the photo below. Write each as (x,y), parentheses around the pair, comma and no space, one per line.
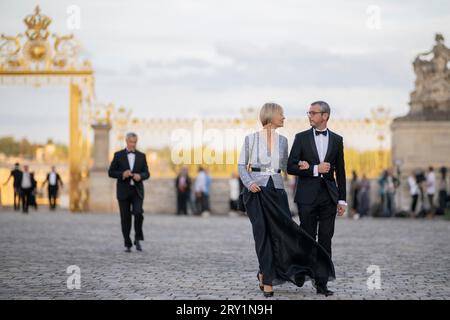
(136,177)
(324,167)
(126,174)
(341,209)
(303,165)
(254,188)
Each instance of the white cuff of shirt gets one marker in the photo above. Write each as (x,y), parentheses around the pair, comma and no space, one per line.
(342,202)
(316,170)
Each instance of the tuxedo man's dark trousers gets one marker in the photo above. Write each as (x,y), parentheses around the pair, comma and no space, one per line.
(317,219)
(26,198)
(17,198)
(52,195)
(132,205)
(182,200)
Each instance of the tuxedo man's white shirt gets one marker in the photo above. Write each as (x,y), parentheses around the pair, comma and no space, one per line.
(52,179)
(131,160)
(26,180)
(322,149)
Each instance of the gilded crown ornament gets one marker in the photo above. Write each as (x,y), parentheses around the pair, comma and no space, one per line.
(40,51)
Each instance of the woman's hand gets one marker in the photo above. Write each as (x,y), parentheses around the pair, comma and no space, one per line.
(254,188)
(303,165)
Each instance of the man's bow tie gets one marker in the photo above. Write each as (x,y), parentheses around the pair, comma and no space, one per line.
(321,132)
(133,152)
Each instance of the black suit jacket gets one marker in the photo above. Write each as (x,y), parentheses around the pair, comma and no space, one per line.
(120,164)
(304,148)
(17,177)
(188,184)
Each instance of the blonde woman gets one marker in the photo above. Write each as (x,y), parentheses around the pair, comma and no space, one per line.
(282,247)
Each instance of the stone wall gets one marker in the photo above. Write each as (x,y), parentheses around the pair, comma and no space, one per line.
(160,197)
(419,144)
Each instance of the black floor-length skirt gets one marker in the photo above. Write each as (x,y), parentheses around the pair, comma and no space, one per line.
(285,251)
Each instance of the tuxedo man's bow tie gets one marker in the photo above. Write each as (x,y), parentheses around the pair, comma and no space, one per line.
(133,152)
(321,132)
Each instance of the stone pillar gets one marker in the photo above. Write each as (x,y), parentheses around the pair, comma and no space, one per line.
(421,138)
(419,144)
(101,189)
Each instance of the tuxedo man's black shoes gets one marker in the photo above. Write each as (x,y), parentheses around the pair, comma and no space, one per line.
(300,280)
(268,294)
(138,245)
(127,249)
(324,290)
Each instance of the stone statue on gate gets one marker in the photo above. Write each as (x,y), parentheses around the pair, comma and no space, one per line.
(431,98)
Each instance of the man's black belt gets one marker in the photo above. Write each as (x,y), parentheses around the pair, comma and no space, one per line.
(266,170)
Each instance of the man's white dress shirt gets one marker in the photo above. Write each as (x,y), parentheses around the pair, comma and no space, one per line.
(131,160)
(52,179)
(322,149)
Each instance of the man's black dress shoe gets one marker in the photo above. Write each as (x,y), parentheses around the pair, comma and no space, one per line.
(324,290)
(268,294)
(300,280)
(128,249)
(138,245)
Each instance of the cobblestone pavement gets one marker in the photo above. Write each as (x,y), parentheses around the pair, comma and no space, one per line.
(209,258)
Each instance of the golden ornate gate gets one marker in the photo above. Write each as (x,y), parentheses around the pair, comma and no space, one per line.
(41,61)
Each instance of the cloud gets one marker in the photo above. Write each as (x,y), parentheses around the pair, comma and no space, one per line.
(285,65)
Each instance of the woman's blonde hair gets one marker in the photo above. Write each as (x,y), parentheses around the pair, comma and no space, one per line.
(267,112)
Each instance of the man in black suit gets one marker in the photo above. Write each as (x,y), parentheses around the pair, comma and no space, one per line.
(16,174)
(27,188)
(129,167)
(183,188)
(54,181)
(317,158)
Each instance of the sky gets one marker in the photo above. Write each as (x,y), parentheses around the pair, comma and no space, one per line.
(210,58)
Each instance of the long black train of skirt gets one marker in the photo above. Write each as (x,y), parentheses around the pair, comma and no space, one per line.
(285,251)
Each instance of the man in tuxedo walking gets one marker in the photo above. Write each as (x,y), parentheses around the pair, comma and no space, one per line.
(129,167)
(16,174)
(54,182)
(27,186)
(317,158)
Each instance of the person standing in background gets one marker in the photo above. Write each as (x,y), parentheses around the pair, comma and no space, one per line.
(381,192)
(207,211)
(390,187)
(431,190)
(443,191)
(183,190)
(235,190)
(27,187)
(200,190)
(54,181)
(364,197)
(354,190)
(16,174)
(413,191)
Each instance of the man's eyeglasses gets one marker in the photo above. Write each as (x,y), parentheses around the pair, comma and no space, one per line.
(313,113)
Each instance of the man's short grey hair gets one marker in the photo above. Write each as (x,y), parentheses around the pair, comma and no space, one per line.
(131,135)
(324,107)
